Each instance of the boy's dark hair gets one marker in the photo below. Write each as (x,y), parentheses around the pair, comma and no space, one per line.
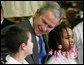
(55,35)
(16,36)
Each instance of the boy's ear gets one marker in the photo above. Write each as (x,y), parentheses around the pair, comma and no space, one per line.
(22,46)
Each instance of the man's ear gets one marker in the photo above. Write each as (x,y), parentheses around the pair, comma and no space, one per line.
(37,12)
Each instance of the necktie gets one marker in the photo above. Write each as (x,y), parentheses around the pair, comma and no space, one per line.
(42,53)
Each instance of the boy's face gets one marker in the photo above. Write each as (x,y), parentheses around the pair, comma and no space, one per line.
(44,23)
(29,46)
(66,39)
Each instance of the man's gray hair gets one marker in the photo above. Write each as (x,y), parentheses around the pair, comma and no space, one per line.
(54,7)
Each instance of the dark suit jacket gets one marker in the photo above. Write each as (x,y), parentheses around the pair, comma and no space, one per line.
(6,23)
(34,58)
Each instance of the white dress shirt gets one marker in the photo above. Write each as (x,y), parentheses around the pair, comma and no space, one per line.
(11,60)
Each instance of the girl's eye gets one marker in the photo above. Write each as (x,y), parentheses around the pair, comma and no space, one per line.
(66,38)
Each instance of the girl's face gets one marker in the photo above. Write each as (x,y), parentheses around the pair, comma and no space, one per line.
(66,39)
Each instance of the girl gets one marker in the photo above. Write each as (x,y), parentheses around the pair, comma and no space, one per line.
(62,42)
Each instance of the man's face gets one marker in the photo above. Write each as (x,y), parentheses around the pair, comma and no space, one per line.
(44,23)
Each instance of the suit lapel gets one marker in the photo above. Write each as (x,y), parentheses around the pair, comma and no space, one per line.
(35,49)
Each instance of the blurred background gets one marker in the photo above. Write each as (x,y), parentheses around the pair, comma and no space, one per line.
(18,11)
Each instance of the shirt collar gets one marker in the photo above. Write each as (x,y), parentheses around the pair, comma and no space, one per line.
(31,21)
(11,60)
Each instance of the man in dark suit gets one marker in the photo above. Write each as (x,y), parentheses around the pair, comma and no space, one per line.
(4,22)
(44,20)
